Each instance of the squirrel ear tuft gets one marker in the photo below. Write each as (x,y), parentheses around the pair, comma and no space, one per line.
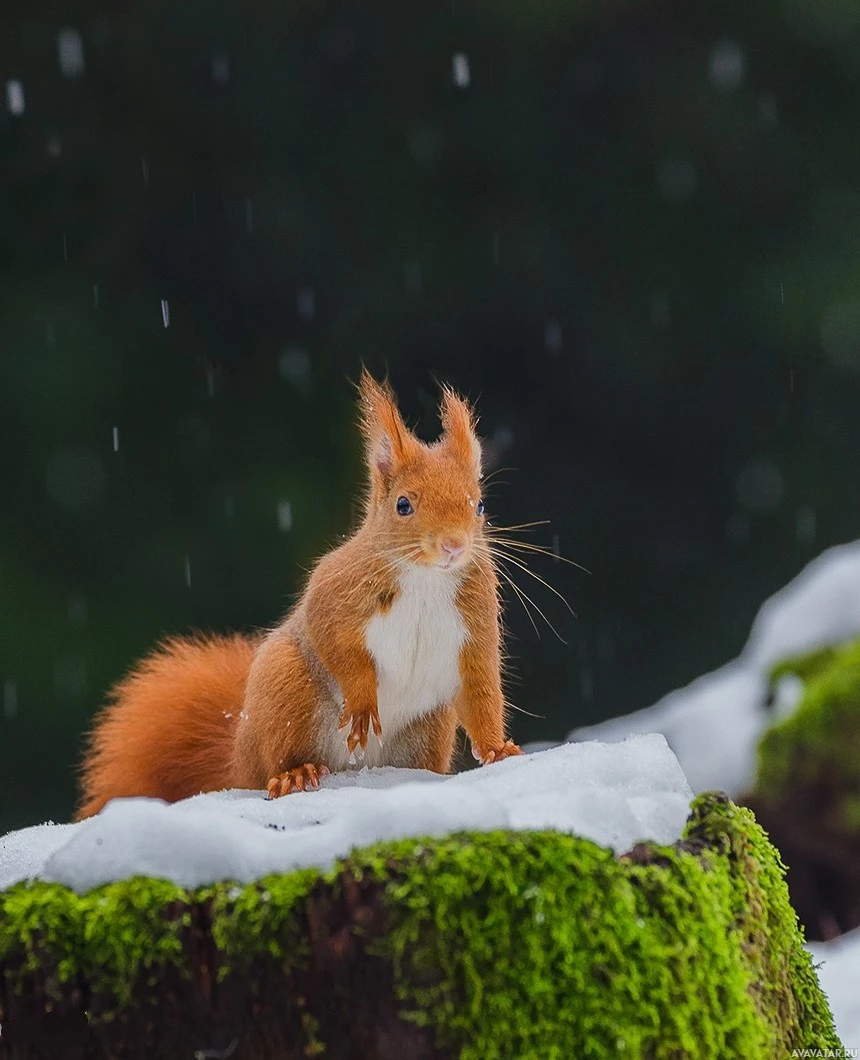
(458,422)
(388,441)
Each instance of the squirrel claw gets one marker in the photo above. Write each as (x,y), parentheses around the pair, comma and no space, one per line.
(362,722)
(507,750)
(306,776)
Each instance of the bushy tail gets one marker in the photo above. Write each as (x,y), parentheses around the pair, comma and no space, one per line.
(167,730)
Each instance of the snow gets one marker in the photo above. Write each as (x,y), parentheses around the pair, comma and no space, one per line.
(70,51)
(15,99)
(20,851)
(460,71)
(613,794)
(714,724)
(821,606)
(839,975)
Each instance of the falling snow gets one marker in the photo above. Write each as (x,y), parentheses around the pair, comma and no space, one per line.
(15,102)
(285,516)
(460,71)
(294,366)
(760,486)
(726,66)
(70,51)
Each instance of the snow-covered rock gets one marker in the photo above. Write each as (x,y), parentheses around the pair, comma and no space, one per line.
(714,724)
(613,794)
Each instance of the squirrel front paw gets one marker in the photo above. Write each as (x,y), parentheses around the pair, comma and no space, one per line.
(306,776)
(495,754)
(360,721)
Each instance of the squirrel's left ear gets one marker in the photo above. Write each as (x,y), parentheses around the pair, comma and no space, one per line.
(458,422)
(388,441)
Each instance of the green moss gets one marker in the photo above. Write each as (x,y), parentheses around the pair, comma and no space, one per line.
(518,945)
(264,917)
(111,937)
(782,976)
(819,740)
(805,666)
(118,935)
(565,945)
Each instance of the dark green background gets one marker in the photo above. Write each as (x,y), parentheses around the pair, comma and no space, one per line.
(634,237)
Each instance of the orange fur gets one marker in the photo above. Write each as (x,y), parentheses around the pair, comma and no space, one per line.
(290,695)
(169,726)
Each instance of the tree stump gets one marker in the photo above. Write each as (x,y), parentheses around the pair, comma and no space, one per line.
(505,944)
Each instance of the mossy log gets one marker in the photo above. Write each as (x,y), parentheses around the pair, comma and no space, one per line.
(807,789)
(490,945)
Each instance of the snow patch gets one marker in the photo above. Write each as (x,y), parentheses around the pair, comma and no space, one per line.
(714,724)
(615,795)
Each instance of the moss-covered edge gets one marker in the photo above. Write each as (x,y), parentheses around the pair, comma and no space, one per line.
(820,738)
(508,944)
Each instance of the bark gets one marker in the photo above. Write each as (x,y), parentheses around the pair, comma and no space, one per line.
(266,1012)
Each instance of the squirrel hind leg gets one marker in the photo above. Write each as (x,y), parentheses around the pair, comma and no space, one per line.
(300,779)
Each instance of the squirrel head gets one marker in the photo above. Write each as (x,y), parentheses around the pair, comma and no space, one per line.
(424,500)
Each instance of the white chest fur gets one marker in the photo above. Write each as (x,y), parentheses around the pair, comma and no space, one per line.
(416,645)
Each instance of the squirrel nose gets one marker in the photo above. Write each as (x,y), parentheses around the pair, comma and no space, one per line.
(452,548)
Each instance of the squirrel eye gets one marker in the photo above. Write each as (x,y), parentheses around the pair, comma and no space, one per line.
(479,508)
(404,507)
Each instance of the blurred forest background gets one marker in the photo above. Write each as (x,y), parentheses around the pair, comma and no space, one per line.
(631,230)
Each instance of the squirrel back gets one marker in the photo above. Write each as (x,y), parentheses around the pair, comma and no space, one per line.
(396,633)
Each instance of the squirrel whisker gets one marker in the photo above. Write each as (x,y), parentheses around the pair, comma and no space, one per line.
(524,567)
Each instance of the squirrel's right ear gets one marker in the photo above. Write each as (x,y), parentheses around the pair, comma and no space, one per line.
(388,442)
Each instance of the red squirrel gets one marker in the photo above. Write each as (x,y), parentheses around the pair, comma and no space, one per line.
(395,640)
